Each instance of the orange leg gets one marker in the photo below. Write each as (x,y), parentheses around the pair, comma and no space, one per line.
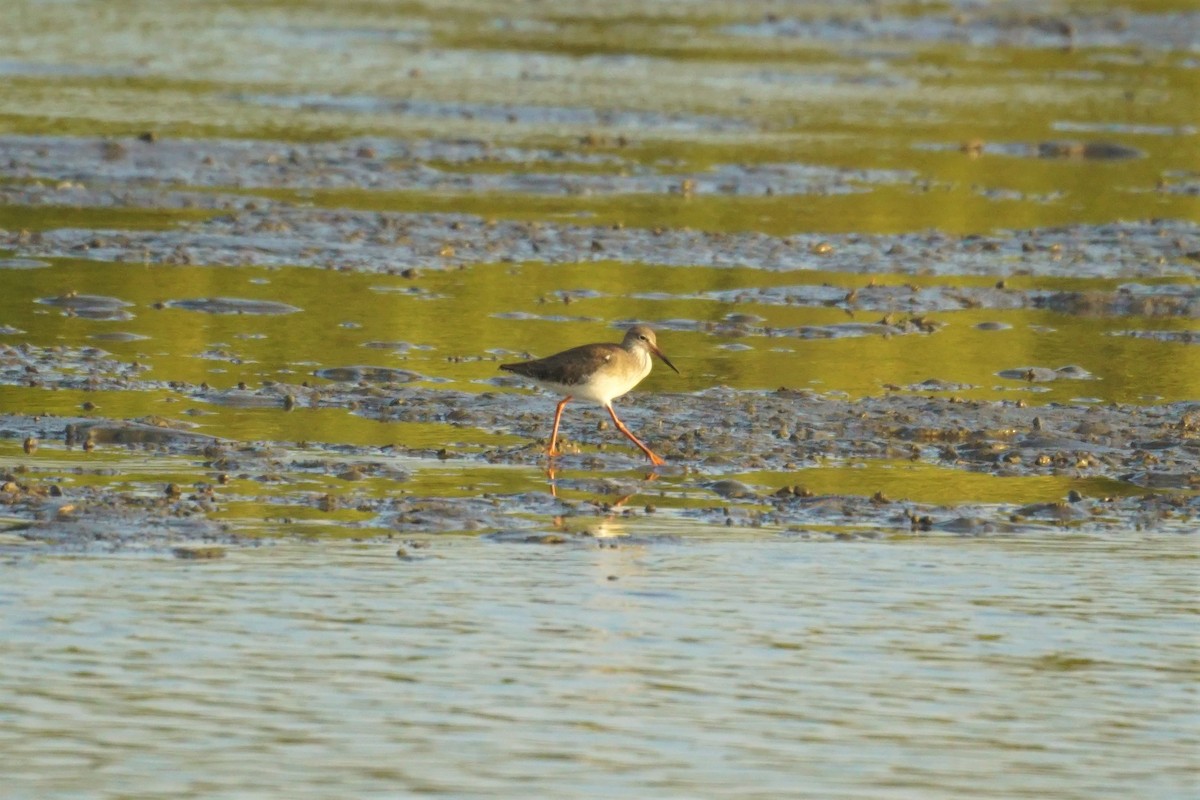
(557,417)
(654,459)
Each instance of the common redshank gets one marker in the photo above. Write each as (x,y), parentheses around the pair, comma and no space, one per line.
(598,372)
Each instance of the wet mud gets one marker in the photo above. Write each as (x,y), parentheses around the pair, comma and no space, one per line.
(933,272)
(1139,467)
(1136,468)
(265,231)
(736,458)
(983,26)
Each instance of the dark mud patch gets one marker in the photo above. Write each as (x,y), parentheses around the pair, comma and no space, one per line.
(386,165)
(245,398)
(258,230)
(1045,374)
(529,315)
(63,367)
(982,26)
(89,306)
(1099,151)
(392,243)
(221,354)
(439,515)
(232,305)
(399,347)
(937,385)
(408,291)
(722,431)
(889,325)
(506,113)
(69,194)
(368,375)
(1153,300)
(837,517)
(350,471)
(735,459)
(1180,300)
(1095,150)
(98,518)
(1182,184)
(156,432)
(871,297)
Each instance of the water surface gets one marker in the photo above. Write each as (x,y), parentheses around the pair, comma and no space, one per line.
(701,664)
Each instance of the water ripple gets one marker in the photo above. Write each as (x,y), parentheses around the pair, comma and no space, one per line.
(717,668)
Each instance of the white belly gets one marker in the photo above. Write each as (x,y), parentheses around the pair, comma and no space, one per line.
(607,383)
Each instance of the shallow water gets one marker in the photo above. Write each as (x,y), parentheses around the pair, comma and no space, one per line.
(703,665)
(732,327)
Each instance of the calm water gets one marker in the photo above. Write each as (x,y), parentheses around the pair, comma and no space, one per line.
(697,666)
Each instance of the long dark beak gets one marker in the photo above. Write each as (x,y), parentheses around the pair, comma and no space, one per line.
(654,349)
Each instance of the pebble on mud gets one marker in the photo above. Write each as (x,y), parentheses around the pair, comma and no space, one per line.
(1088,150)
(731,489)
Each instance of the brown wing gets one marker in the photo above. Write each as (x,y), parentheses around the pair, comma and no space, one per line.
(568,368)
